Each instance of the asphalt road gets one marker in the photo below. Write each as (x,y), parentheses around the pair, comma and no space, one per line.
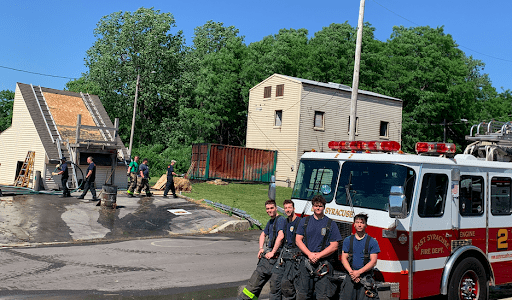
(186,267)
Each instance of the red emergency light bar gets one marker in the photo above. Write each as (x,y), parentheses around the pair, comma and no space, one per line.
(437,148)
(385,146)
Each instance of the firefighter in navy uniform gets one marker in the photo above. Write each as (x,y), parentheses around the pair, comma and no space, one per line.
(359,257)
(317,237)
(144,174)
(64,173)
(170,180)
(267,255)
(283,281)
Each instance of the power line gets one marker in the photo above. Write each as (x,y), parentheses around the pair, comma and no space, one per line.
(503,59)
(42,74)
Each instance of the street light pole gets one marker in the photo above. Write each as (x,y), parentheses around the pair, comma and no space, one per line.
(134,112)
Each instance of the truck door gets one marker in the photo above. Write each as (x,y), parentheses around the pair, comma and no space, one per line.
(500,223)
(472,210)
(431,231)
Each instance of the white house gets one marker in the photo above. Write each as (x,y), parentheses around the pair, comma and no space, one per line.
(294,115)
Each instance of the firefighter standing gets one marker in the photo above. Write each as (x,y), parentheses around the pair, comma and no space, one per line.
(64,173)
(90,179)
(170,180)
(317,237)
(267,255)
(133,169)
(359,256)
(144,174)
(283,281)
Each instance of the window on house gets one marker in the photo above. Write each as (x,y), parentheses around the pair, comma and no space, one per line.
(471,199)
(280,90)
(267,92)
(319,119)
(500,196)
(357,125)
(279,118)
(384,129)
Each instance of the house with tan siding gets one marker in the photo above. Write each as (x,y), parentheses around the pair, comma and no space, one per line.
(294,115)
(45,121)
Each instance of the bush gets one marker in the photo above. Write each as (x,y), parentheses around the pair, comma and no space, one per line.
(160,157)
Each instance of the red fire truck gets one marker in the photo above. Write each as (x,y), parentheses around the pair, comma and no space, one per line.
(442,220)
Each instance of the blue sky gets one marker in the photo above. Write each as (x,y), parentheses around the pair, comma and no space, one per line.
(51,37)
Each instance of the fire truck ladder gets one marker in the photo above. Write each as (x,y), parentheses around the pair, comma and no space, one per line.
(492,141)
(23,178)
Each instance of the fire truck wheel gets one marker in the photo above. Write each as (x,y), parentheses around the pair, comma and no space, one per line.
(468,281)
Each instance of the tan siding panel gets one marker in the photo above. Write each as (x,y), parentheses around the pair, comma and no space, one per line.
(17,140)
(261,132)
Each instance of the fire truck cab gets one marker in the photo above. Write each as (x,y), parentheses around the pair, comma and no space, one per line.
(442,220)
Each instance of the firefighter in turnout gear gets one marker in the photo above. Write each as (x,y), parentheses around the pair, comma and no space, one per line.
(267,254)
(283,281)
(359,257)
(317,237)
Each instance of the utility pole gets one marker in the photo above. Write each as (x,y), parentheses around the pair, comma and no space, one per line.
(134,112)
(355,80)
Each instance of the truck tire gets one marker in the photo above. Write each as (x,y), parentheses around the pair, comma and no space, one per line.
(468,281)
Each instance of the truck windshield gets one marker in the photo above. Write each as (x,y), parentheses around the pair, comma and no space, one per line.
(316,177)
(370,183)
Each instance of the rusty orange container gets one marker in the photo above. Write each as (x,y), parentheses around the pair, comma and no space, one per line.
(215,161)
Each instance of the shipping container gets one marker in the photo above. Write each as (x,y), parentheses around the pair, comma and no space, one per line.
(215,161)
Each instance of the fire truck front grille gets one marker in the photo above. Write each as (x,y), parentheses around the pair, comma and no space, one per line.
(345,229)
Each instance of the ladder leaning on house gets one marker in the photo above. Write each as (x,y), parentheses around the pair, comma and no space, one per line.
(23,178)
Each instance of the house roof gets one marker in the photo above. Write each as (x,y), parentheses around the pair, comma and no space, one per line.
(339,86)
(64,107)
(330,85)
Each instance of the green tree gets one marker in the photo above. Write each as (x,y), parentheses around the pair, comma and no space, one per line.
(435,80)
(213,109)
(84,85)
(6,105)
(130,44)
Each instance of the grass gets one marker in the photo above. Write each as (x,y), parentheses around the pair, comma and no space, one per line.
(244,196)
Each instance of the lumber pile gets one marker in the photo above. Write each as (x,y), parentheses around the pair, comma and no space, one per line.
(180,183)
(217,182)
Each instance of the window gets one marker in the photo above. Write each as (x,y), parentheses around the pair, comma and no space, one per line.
(267,92)
(471,196)
(280,90)
(319,119)
(500,196)
(369,184)
(433,195)
(384,127)
(316,177)
(357,125)
(279,118)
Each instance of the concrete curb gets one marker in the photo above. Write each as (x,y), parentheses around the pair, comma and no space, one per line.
(236,225)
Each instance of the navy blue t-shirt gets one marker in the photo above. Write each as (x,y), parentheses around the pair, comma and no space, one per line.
(145,170)
(316,231)
(358,248)
(92,167)
(64,167)
(269,229)
(290,227)
(170,169)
